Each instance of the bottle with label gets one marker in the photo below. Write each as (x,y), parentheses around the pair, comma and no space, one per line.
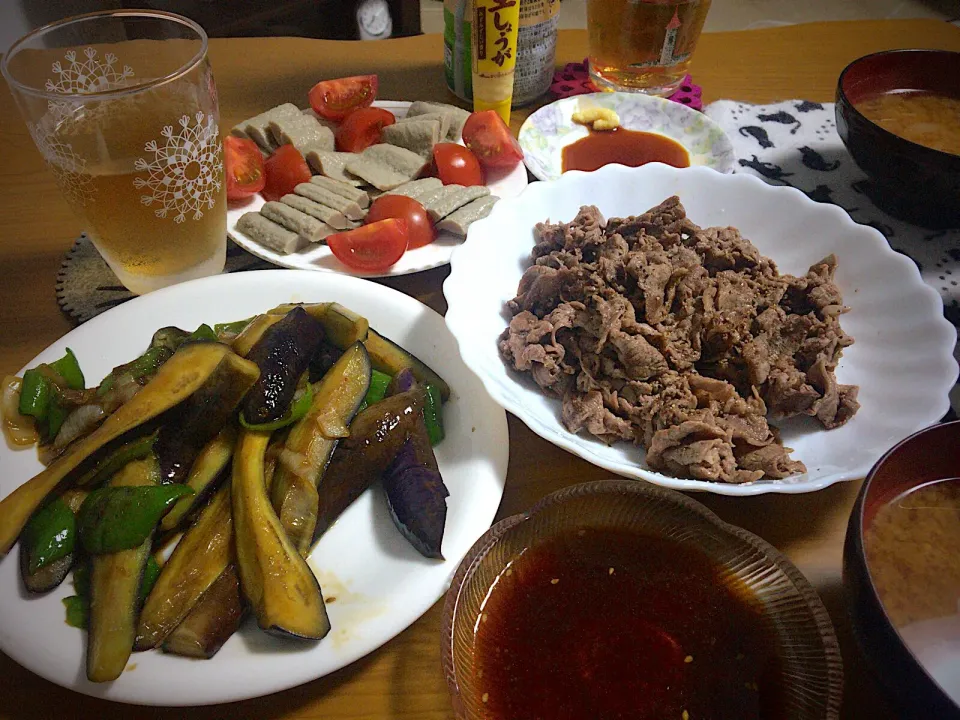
(536,48)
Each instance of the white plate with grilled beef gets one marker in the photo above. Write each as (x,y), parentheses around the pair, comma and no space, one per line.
(375,583)
(641,330)
(318,257)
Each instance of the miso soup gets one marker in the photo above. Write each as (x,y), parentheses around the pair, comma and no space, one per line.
(926,118)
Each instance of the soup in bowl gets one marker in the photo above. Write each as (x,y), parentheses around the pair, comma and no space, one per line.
(927,118)
(898,113)
(902,571)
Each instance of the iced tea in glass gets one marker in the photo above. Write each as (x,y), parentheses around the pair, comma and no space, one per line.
(643,45)
(123,108)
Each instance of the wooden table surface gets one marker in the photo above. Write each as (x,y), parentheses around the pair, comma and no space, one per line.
(403,679)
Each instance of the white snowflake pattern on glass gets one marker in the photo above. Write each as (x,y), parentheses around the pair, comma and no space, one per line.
(184,174)
(69,169)
(87,76)
(82,76)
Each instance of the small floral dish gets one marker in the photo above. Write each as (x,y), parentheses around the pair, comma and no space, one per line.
(551,128)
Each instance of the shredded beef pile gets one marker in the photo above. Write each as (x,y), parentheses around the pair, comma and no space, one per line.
(682,339)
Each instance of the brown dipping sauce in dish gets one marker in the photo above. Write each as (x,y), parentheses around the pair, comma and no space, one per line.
(627,147)
(604,624)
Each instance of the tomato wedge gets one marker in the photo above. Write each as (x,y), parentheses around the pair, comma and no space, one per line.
(243,167)
(371,248)
(420,230)
(361,129)
(335,99)
(457,165)
(488,136)
(285,169)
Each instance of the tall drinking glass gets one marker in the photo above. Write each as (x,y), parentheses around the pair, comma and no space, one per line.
(643,45)
(123,108)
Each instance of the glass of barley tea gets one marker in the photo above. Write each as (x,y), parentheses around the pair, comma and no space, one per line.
(643,45)
(123,108)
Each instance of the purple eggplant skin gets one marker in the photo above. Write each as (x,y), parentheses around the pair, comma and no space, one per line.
(416,495)
(323,359)
(282,354)
(403,381)
(212,621)
(195,422)
(376,434)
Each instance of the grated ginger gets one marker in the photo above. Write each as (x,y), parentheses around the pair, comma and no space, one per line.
(597,117)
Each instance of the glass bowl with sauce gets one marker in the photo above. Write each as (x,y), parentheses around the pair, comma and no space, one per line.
(901,572)
(619,599)
(898,113)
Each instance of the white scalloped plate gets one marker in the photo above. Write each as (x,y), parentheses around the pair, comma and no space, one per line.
(902,358)
(319,258)
(381,584)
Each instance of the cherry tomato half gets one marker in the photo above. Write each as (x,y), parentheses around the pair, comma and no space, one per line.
(371,248)
(285,169)
(456,165)
(243,167)
(361,129)
(335,99)
(420,230)
(488,136)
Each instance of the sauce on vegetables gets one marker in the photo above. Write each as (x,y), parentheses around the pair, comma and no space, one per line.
(604,623)
(627,147)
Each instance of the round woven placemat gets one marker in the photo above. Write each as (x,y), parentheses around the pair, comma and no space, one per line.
(86,286)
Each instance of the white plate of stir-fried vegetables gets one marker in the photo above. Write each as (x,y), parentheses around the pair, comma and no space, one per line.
(243,428)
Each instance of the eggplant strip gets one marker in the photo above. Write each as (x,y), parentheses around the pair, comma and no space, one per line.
(212,621)
(115,590)
(203,553)
(178,378)
(205,473)
(198,420)
(276,580)
(342,326)
(311,441)
(253,332)
(282,354)
(376,436)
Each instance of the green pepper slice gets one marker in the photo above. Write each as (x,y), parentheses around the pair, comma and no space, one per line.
(56,414)
(140,367)
(81,578)
(234,328)
(150,574)
(78,610)
(433,415)
(119,518)
(35,394)
(49,535)
(68,368)
(379,382)
(204,332)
